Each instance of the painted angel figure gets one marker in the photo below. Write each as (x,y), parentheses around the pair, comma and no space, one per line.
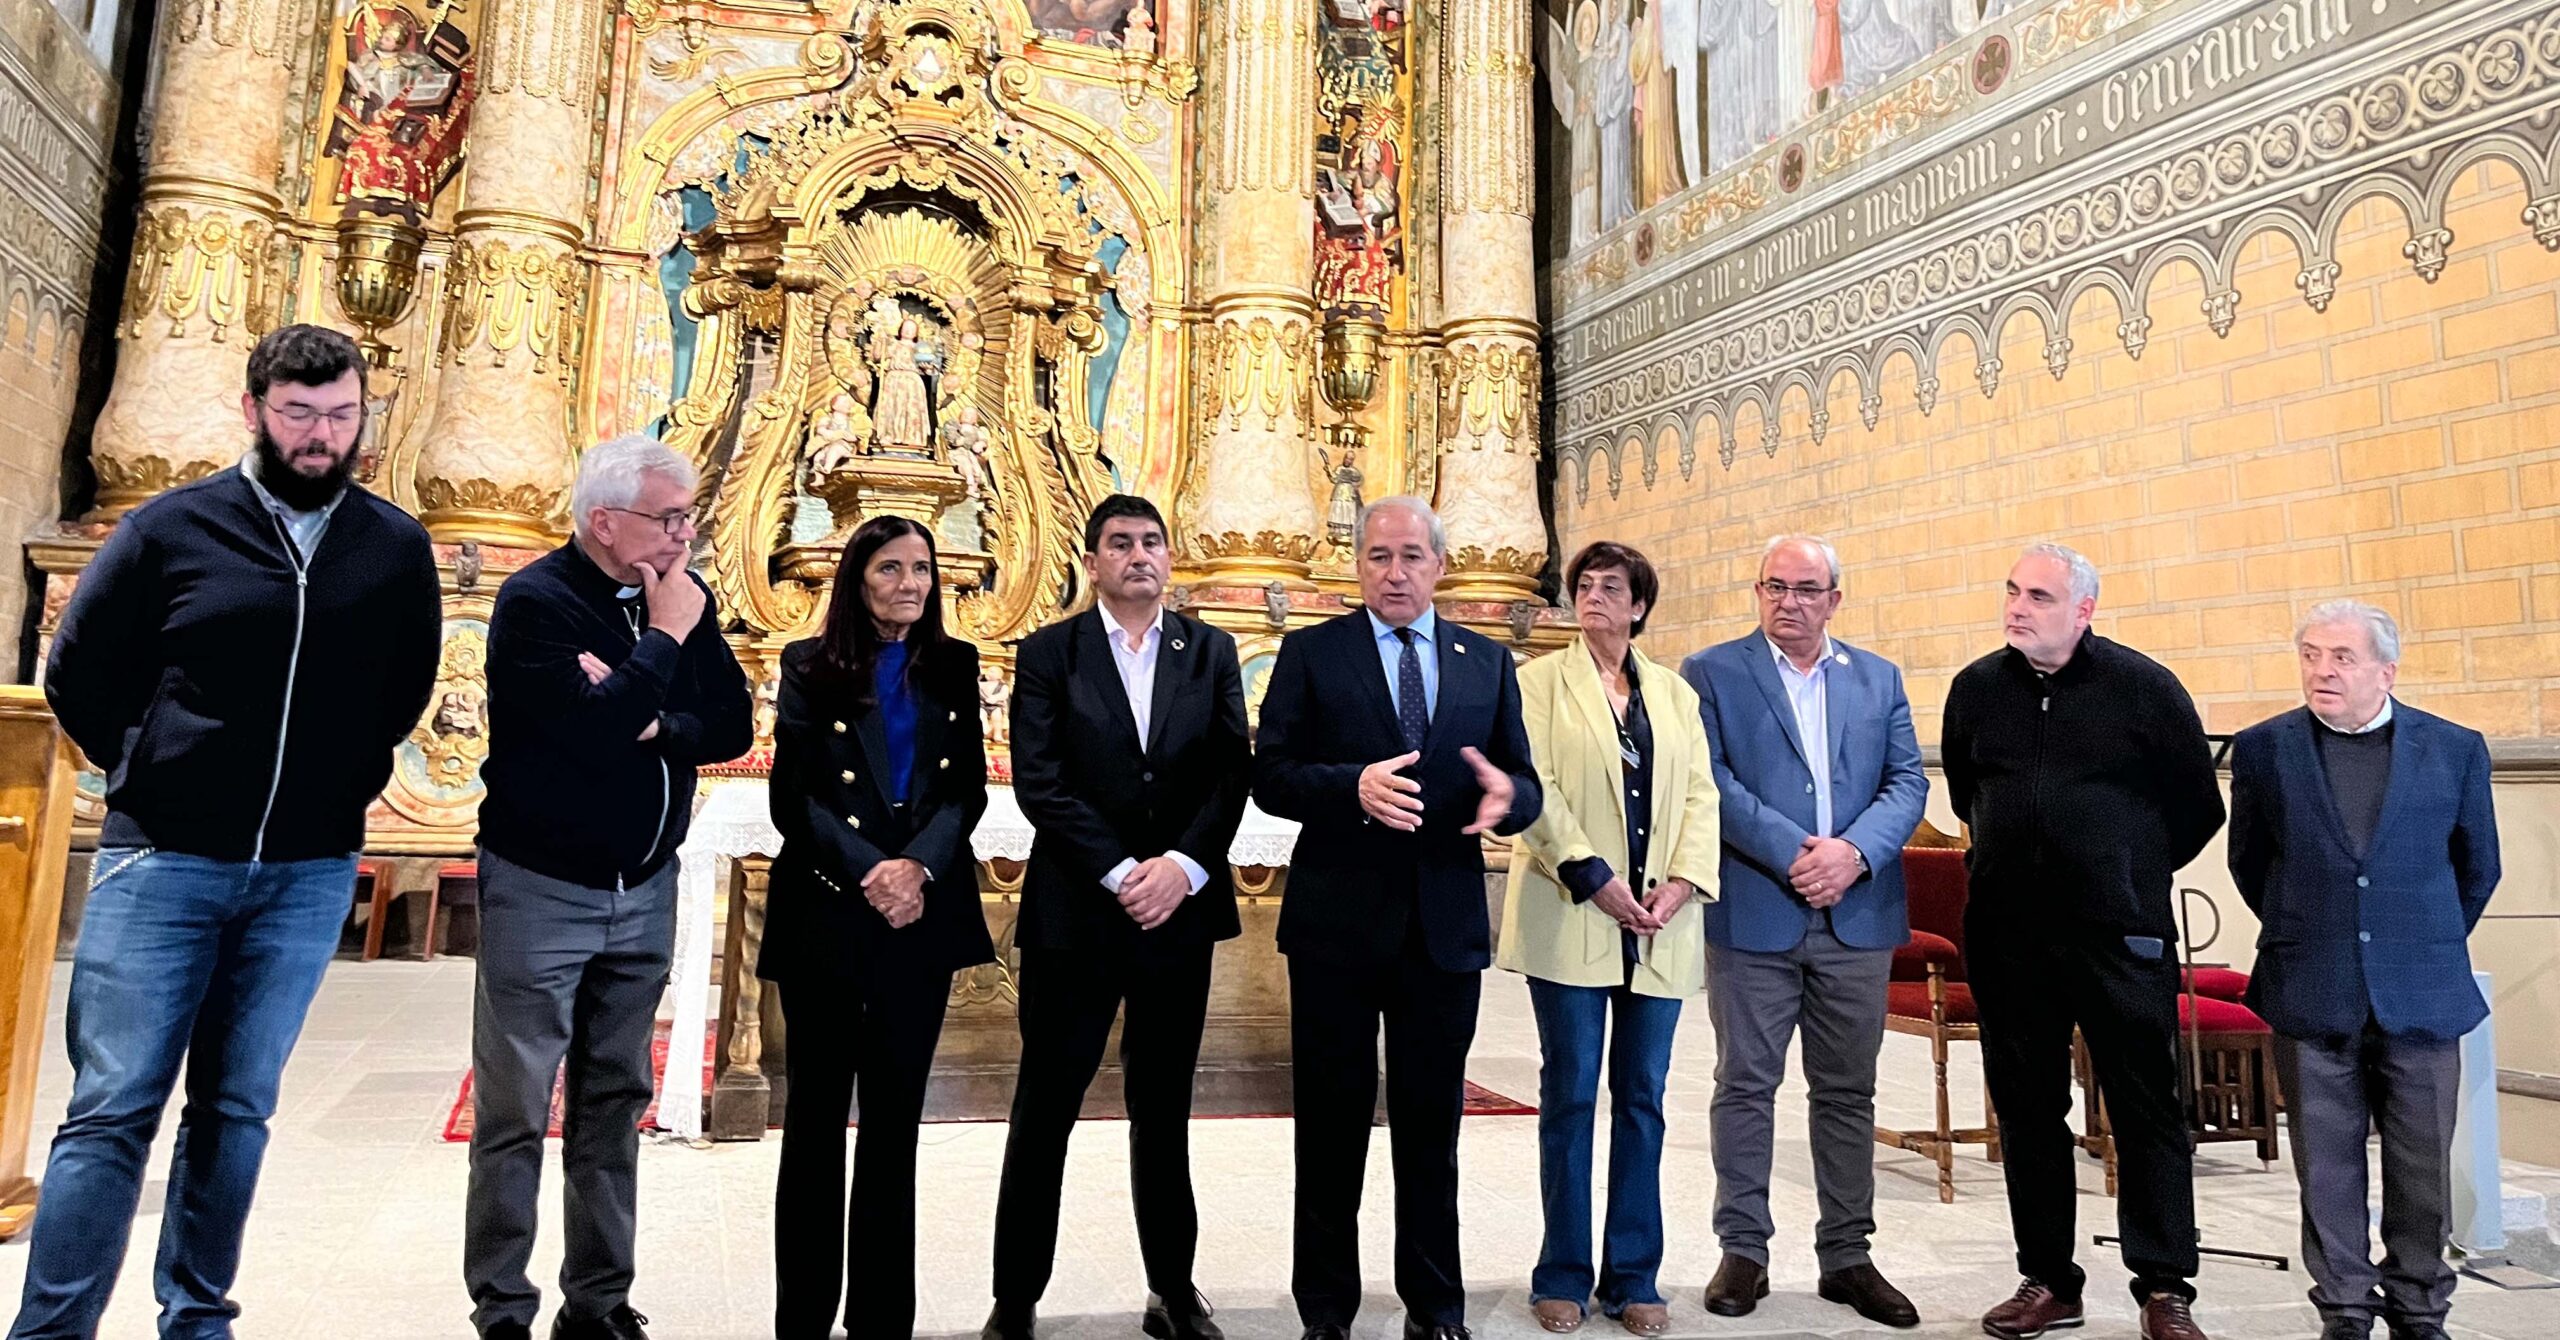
(995,699)
(1576,80)
(838,436)
(966,438)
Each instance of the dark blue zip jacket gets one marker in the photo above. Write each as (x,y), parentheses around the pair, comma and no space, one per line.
(175,657)
(574,792)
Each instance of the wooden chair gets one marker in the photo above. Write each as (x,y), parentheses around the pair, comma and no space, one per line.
(1930,998)
(374,892)
(2234,1096)
(467,871)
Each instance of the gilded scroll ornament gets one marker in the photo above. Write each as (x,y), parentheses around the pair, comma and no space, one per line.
(503,297)
(189,263)
(134,478)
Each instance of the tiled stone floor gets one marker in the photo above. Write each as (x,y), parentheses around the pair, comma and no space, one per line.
(358,1226)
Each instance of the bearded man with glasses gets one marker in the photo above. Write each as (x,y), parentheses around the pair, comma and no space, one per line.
(1819,776)
(240,659)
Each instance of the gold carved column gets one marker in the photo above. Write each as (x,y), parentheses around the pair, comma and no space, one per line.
(1253,518)
(495,460)
(207,274)
(1488,287)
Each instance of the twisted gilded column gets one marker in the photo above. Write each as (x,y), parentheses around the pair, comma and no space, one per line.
(495,460)
(1488,286)
(1254,518)
(208,264)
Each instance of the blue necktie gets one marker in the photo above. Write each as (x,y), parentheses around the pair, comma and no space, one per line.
(1413,709)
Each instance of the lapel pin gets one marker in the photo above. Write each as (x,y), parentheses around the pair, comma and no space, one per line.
(1841,656)
(1177,644)
(1458,647)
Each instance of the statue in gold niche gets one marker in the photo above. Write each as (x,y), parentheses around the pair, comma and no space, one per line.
(902,411)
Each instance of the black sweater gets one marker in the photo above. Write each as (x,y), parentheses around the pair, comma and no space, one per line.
(574,792)
(2086,789)
(242,701)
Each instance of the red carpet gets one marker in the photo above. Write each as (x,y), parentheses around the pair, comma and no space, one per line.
(1481,1101)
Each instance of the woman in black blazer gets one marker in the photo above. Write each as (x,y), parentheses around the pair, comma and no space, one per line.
(879,776)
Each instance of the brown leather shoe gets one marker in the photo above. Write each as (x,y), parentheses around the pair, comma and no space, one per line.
(1865,1289)
(1556,1315)
(2032,1311)
(1738,1287)
(2165,1317)
(1645,1319)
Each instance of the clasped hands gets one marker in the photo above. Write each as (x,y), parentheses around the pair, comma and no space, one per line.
(1391,798)
(895,889)
(1153,891)
(1824,869)
(1646,915)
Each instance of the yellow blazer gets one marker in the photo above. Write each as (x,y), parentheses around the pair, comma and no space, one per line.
(1574,738)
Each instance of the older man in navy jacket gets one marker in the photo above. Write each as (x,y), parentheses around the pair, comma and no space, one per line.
(1820,778)
(2362,836)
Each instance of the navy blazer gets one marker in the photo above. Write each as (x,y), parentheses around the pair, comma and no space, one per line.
(2341,939)
(1878,791)
(1355,885)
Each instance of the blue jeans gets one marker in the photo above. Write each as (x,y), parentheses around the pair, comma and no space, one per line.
(1571,1023)
(211,961)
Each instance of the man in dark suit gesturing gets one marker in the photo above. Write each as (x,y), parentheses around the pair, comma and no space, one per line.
(1130,759)
(1396,740)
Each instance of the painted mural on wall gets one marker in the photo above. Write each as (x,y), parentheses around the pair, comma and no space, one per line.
(1653,97)
(1363,107)
(1128,25)
(403,104)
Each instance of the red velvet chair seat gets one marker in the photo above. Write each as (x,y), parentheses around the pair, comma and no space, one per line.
(1911,961)
(2215,1016)
(2219,983)
(1910,1000)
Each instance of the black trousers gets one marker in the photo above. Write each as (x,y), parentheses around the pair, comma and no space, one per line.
(878,1034)
(1068,1000)
(1334,1013)
(2032,984)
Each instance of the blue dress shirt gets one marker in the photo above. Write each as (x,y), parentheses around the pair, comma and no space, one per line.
(1426,639)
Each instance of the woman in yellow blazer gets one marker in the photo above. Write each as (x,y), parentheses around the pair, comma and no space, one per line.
(1603,918)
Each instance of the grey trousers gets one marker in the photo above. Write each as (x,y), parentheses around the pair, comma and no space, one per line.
(565,973)
(2334,1094)
(1835,996)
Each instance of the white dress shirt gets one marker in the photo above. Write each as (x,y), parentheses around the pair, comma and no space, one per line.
(1135,659)
(1809,693)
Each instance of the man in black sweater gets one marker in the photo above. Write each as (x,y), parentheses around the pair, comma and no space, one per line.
(2083,772)
(609,685)
(240,659)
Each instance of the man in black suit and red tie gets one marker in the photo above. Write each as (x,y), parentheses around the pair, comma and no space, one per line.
(1395,739)
(1130,759)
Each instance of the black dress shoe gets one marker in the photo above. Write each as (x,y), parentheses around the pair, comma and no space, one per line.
(1184,1316)
(2413,1330)
(1415,1330)
(507,1330)
(1009,1323)
(1738,1287)
(1328,1331)
(620,1324)
(1866,1290)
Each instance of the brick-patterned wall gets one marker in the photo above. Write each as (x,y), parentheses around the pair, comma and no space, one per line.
(2402,447)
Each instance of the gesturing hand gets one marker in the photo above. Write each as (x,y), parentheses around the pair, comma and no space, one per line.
(1823,871)
(1153,891)
(1619,901)
(1393,800)
(1496,804)
(895,889)
(674,599)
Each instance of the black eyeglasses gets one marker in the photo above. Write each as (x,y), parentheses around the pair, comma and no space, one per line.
(303,416)
(673,523)
(1781,592)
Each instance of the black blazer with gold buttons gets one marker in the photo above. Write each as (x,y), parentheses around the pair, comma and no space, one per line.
(830,768)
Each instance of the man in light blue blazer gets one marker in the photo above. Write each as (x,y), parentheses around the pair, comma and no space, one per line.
(1819,774)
